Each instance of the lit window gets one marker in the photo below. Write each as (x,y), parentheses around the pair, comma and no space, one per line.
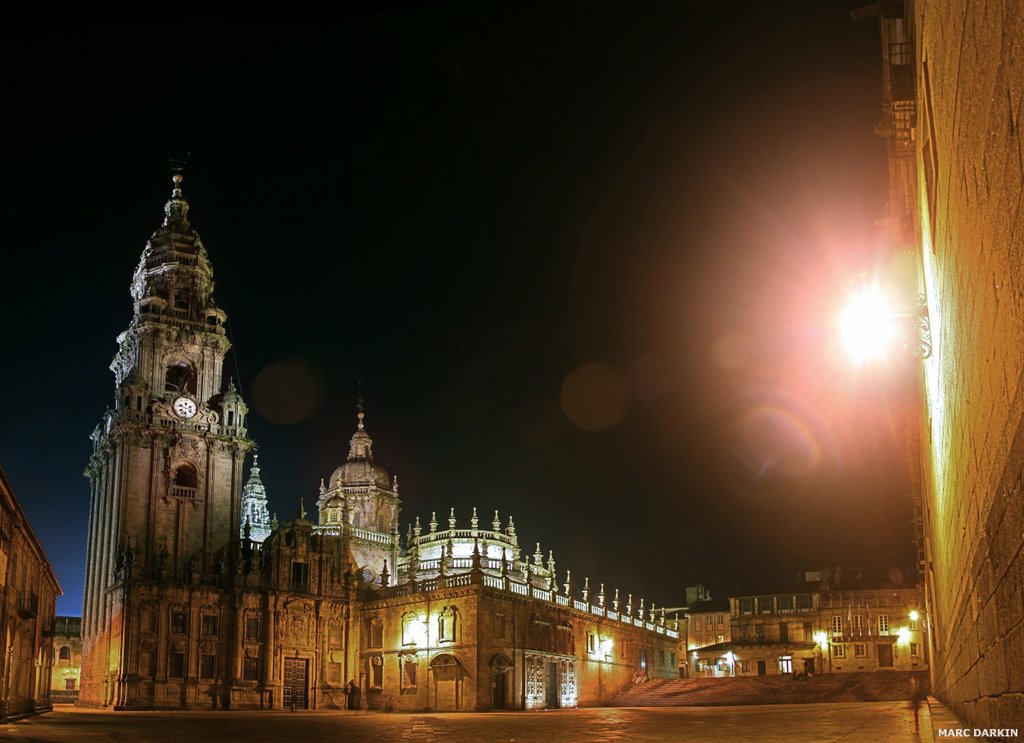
(883,624)
(858,622)
(860,650)
(69,684)
(915,649)
(837,625)
(838,650)
(65,653)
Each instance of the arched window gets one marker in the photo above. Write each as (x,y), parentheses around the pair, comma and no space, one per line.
(64,653)
(180,377)
(185,481)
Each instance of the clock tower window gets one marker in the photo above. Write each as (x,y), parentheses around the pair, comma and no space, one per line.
(180,377)
(186,481)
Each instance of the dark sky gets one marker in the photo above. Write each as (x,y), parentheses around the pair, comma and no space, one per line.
(506,220)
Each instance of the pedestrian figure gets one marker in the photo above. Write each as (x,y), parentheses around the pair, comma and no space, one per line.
(916,697)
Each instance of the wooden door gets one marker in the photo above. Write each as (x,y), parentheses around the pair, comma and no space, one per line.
(295,696)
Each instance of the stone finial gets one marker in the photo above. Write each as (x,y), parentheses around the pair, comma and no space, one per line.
(551,561)
(651,613)
(552,579)
(629,605)
(248,527)
(474,521)
(585,594)
(641,617)
(273,523)
(538,556)
(323,488)
(417,529)
(394,483)
(302,509)
(451,518)
(176,191)
(568,583)
(433,521)
(496,524)
(511,530)
(661,619)
(615,601)
(600,596)
(476,556)
(384,575)
(449,549)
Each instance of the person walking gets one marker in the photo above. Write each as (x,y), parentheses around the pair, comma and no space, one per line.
(916,697)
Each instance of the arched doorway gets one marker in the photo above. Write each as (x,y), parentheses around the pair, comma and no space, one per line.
(447,675)
(501,682)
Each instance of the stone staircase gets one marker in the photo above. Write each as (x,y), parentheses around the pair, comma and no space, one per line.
(828,687)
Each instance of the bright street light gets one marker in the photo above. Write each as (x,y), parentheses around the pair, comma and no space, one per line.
(866,325)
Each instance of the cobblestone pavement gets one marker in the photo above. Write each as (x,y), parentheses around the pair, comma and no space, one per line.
(874,722)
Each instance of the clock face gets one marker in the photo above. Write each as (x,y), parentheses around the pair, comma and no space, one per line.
(184,407)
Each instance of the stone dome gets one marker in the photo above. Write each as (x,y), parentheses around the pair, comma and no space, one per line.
(360,472)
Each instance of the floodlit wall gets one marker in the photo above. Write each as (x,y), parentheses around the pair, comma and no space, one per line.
(970,168)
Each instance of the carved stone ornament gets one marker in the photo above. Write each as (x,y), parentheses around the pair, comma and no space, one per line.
(126,357)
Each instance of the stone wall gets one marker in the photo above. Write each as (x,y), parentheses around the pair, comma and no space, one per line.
(970,84)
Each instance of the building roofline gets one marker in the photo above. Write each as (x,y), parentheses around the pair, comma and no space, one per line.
(8,494)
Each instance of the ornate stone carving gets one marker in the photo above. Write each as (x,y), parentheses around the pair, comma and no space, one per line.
(126,357)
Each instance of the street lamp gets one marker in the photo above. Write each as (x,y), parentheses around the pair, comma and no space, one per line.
(869,326)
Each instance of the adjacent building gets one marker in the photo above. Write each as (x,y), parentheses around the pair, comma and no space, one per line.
(27,605)
(823,624)
(195,598)
(66,674)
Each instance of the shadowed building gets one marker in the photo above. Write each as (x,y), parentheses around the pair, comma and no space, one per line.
(27,603)
(194,598)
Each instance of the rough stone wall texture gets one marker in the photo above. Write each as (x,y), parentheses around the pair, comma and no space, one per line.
(970,58)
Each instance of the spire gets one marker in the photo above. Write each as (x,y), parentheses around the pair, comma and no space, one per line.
(254,507)
(474,519)
(302,509)
(451,518)
(360,445)
(496,524)
(176,208)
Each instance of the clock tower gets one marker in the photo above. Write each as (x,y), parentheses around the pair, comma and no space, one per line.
(167,463)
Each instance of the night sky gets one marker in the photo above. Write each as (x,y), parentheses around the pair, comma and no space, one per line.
(584,260)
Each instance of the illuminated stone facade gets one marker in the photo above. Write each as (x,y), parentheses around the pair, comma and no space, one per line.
(66,675)
(194,599)
(951,113)
(28,597)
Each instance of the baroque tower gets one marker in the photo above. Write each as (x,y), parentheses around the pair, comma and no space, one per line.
(166,471)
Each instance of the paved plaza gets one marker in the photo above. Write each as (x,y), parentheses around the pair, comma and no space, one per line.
(849,722)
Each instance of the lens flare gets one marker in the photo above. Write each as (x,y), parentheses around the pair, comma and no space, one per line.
(866,326)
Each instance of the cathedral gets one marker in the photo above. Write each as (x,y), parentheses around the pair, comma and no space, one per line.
(195,597)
